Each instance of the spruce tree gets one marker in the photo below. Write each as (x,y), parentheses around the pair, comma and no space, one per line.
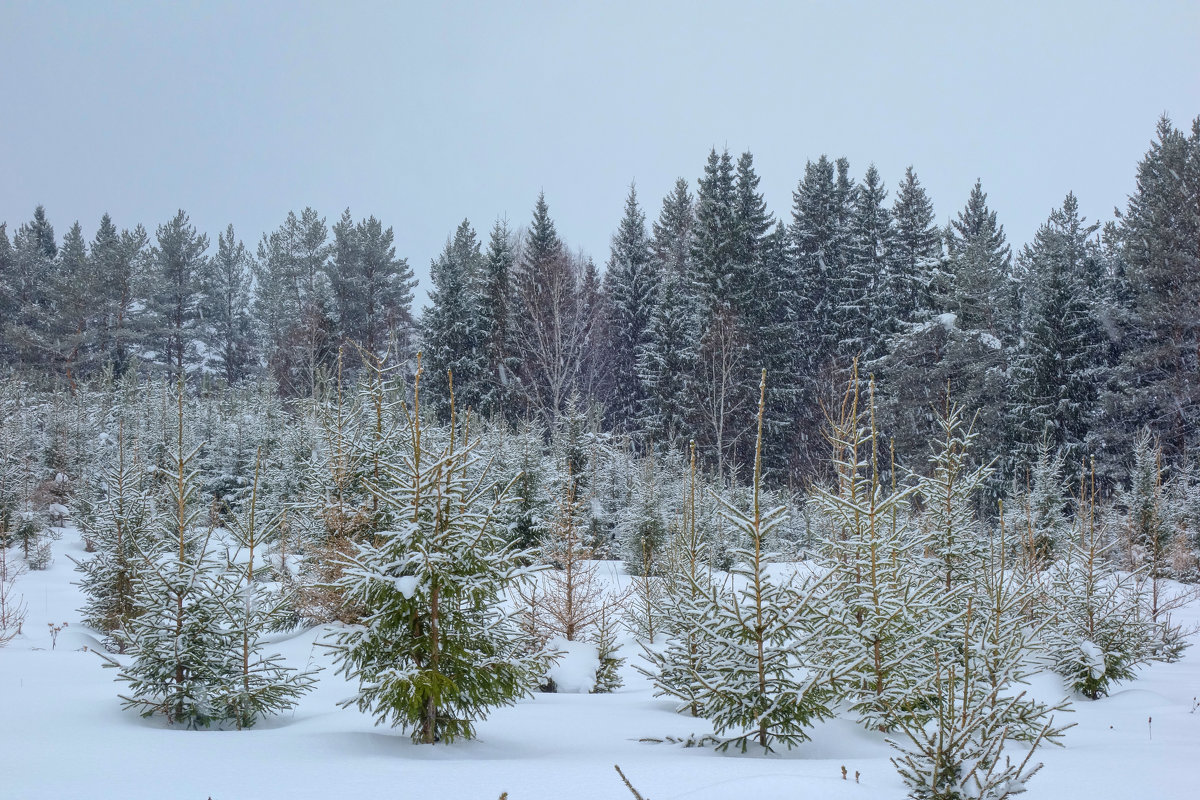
(229,329)
(632,288)
(915,250)
(119,523)
(1097,635)
(1158,232)
(259,685)
(554,319)
(181,642)
(868,314)
(1058,366)
(454,338)
(667,361)
(675,666)
(759,683)
(180,273)
(885,614)
(501,391)
(436,650)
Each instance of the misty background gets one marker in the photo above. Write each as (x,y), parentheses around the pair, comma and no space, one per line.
(424,114)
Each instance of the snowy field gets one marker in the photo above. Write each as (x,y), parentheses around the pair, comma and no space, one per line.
(63,735)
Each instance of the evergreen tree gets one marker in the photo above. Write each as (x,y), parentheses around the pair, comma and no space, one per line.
(501,390)
(554,321)
(885,614)
(69,332)
(758,679)
(1159,232)
(675,668)
(1096,636)
(180,273)
(632,288)
(915,250)
(666,363)
(30,290)
(979,317)
(119,261)
(1058,364)
(292,302)
(182,645)
(8,276)
(118,521)
(868,312)
(437,650)
(259,684)
(228,333)
(453,333)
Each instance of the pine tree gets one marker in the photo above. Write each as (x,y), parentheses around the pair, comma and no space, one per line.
(120,262)
(436,650)
(292,301)
(30,284)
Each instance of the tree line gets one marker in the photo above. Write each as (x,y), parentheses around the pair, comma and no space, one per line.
(1077,341)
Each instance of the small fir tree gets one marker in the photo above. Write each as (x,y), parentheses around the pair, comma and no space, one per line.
(436,650)
(121,526)
(758,681)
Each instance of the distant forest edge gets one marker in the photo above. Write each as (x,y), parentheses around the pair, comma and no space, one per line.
(1085,337)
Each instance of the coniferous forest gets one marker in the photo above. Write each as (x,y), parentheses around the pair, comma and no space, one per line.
(859,459)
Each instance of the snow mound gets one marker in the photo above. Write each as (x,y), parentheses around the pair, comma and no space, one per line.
(575,671)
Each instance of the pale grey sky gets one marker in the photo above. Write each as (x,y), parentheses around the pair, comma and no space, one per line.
(425,113)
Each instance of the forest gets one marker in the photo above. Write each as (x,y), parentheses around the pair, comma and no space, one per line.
(855,465)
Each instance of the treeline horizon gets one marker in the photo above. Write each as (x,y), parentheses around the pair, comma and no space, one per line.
(1073,344)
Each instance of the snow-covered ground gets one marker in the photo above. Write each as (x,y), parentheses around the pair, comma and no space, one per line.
(63,735)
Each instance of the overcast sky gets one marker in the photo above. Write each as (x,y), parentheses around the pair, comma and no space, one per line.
(426,114)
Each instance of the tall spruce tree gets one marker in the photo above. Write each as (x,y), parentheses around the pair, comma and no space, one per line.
(868,313)
(180,273)
(631,284)
(553,319)
(292,302)
(501,391)
(228,333)
(666,363)
(453,333)
(1057,367)
(1160,249)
